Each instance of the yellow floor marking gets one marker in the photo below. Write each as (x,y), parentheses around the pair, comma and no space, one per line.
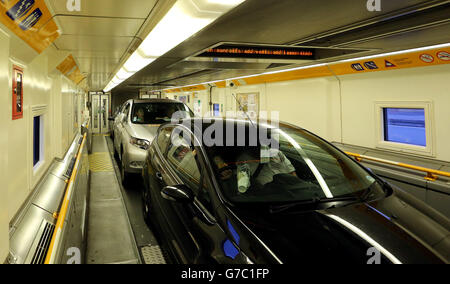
(100,162)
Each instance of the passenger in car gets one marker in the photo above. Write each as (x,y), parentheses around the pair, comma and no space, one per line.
(272,162)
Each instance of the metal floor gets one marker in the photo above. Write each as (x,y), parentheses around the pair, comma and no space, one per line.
(117,231)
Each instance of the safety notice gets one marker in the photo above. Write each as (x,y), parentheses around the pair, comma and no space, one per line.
(427,58)
(443,55)
(20,9)
(31,20)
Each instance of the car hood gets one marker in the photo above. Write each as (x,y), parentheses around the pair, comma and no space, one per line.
(400,227)
(143,131)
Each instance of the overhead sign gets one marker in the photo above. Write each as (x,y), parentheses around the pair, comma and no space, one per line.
(359,66)
(70,69)
(31,21)
(20,9)
(260,52)
(67,65)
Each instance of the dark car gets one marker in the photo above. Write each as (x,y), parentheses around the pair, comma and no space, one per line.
(217,191)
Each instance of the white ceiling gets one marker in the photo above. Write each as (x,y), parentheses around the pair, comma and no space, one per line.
(100,34)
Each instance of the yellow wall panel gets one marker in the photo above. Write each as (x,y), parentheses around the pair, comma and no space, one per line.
(67,65)
(394,62)
(31,21)
(193,88)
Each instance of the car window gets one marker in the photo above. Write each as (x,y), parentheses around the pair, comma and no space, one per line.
(158,112)
(164,138)
(183,159)
(300,167)
(126,110)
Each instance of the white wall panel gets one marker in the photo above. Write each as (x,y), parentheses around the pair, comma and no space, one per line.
(4,120)
(49,96)
(360,92)
(312,104)
(316,104)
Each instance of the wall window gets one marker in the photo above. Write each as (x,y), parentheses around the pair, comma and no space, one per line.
(38,140)
(405,125)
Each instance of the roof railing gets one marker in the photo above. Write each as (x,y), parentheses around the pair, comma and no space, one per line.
(432,175)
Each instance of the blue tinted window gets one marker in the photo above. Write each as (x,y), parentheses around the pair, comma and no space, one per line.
(36,140)
(216,110)
(405,125)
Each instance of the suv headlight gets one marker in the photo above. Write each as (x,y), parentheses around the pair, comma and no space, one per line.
(140,143)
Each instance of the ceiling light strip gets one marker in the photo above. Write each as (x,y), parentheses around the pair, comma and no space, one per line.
(184,19)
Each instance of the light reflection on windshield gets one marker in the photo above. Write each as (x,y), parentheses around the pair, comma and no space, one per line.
(303,168)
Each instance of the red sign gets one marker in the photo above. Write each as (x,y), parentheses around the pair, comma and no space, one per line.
(17,93)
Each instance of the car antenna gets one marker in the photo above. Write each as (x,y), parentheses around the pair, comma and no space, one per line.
(240,106)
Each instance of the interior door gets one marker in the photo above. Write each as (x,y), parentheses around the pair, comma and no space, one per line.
(100,114)
(104,114)
(95,113)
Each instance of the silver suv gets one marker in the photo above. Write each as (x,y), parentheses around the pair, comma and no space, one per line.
(135,127)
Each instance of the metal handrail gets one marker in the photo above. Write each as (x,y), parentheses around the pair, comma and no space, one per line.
(432,175)
(50,258)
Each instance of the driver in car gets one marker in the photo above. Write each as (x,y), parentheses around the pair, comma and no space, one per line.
(140,116)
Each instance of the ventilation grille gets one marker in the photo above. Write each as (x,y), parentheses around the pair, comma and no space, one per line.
(43,245)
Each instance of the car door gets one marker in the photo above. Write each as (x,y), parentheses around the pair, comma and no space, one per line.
(191,227)
(171,216)
(122,120)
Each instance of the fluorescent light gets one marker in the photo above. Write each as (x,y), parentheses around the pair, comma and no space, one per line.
(178,25)
(136,62)
(184,19)
(251,76)
(123,74)
(116,81)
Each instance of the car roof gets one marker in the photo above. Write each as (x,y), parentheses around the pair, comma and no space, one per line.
(141,101)
(209,121)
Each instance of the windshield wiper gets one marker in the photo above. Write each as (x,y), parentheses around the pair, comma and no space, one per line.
(313,202)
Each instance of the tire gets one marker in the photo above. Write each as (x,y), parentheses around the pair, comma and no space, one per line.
(116,154)
(123,173)
(146,207)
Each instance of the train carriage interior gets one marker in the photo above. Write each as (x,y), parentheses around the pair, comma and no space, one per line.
(224,132)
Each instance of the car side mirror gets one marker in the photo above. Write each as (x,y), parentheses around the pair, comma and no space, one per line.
(178,193)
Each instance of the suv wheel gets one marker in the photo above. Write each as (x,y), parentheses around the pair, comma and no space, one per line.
(146,207)
(124,174)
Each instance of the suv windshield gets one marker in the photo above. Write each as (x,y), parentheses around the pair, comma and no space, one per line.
(301,168)
(158,113)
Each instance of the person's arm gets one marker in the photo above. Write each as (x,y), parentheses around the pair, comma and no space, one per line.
(287,164)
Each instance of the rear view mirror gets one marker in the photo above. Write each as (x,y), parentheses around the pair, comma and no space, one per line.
(111,119)
(178,193)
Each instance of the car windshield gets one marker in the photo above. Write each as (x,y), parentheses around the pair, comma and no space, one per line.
(159,113)
(300,168)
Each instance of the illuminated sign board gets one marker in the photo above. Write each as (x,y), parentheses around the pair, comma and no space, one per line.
(260,52)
